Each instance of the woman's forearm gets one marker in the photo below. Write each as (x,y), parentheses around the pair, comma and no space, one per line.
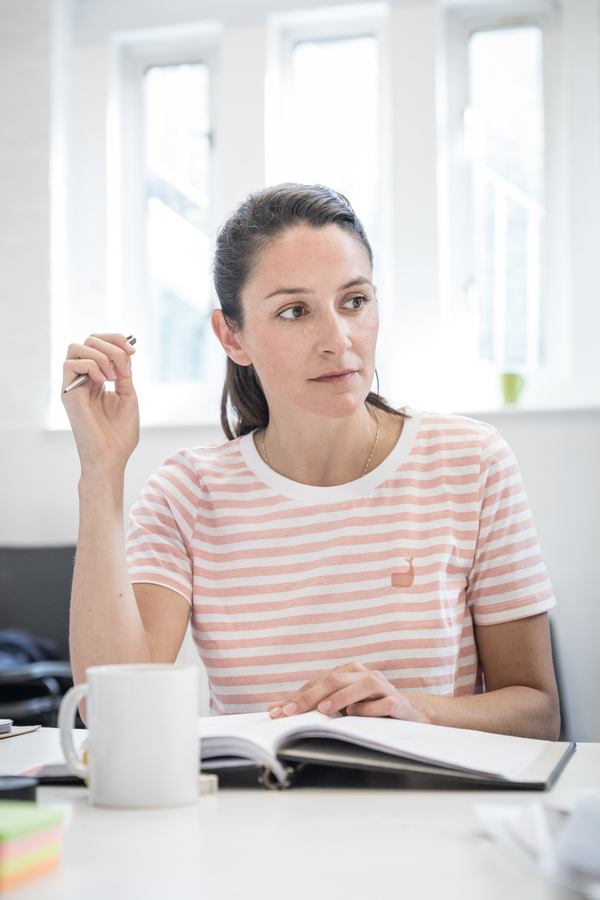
(518,710)
(105,623)
(522,710)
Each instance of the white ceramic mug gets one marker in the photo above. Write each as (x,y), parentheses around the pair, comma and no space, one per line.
(143,744)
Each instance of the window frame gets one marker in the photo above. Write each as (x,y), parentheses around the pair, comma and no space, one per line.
(131,55)
(459,296)
(284,31)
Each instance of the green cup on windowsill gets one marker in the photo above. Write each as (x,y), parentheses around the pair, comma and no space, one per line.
(511,385)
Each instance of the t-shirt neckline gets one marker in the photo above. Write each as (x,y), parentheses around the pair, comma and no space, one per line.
(308,493)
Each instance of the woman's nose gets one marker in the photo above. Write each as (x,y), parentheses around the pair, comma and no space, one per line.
(333,335)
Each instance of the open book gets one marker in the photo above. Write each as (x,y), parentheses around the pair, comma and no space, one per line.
(280,745)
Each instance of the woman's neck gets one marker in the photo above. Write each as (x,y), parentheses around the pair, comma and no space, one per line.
(327,452)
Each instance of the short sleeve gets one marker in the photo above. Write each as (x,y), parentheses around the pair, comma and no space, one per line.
(161,525)
(508,579)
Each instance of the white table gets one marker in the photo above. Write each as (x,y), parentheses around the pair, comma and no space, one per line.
(303,843)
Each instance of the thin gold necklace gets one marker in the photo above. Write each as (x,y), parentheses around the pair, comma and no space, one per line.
(365,468)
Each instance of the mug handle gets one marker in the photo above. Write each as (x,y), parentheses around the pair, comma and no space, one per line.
(66,720)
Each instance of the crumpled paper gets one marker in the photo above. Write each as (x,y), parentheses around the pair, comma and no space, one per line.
(560,844)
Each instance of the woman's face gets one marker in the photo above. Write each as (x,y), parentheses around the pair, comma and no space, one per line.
(311,322)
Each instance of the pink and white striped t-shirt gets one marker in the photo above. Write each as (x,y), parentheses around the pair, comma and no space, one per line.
(286,580)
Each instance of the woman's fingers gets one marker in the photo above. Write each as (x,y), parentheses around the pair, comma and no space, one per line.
(116,338)
(115,349)
(327,690)
(311,693)
(394,705)
(351,688)
(110,352)
(79,355)
(72,370)
(385,707)
(373,686)
(278,704)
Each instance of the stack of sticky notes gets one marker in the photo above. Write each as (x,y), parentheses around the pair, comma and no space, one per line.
(30,841)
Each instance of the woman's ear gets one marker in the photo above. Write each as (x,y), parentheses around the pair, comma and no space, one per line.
(228,339)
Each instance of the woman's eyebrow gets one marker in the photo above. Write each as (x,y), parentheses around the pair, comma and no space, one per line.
(284,290)
(291,291)
(356,282)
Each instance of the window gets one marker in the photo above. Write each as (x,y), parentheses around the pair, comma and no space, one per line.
(177,138)
(505,252)
(161,218)
(326,109)
(504,132)
(485,258)
(332,120)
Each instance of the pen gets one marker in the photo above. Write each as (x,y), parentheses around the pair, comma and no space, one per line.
(81,379)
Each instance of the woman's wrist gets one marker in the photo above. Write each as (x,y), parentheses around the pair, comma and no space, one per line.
(422,710)
(102,486)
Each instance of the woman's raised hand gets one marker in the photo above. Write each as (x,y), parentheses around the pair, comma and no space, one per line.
(105,423)
(353,689)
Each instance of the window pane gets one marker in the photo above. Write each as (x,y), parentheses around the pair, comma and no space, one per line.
(335,121)
(178,242)
(506,136)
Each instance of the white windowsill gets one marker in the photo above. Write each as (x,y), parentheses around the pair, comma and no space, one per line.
(512,409)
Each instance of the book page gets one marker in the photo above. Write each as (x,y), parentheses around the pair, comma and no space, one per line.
(257,737)
(254,736)
(500,755)
(249,736)
(256,729)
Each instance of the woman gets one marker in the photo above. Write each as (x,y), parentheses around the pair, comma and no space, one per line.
(334,553)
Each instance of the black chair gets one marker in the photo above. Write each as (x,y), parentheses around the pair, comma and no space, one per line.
(31,694)
(564,721)
(35,589)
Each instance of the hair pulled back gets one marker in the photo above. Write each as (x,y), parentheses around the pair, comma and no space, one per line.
(261,218)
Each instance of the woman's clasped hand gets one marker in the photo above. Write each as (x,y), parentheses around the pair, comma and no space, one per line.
(352,689)
(105,422)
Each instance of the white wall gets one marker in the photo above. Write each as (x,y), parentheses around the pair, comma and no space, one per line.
(24,211)
(558,451)
(558,454)
(413,33)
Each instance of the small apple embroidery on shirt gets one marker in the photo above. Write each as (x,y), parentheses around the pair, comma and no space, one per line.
(406,578)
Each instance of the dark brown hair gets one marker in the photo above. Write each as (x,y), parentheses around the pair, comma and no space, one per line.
(262,217)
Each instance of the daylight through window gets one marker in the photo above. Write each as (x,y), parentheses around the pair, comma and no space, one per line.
(332,116)
(504,126)
(177,217)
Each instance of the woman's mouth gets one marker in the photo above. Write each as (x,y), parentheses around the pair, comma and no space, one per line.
(335,377)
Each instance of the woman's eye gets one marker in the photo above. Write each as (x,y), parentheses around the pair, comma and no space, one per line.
(293,312)
(356,302)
